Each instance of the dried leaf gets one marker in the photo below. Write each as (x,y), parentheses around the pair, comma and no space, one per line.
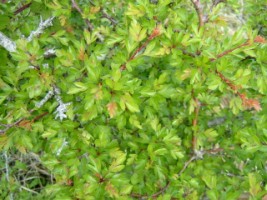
(112,108)
(111,190)
(252,103)
(259,39)
(27,124)
(81,54)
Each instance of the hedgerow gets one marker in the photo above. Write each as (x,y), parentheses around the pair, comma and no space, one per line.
(133,99)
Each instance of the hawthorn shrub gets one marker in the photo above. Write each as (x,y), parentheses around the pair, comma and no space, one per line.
(133,99)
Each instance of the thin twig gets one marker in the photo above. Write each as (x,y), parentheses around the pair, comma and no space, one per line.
(199,155)
(162,190)
(76,6)
(29,190)
(105,14)
(187,164)
(215,3)
(7,172)
(19,10)
(8,126)
(87,21)
(155,195)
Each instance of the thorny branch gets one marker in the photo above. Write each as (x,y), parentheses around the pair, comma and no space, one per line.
(247,103)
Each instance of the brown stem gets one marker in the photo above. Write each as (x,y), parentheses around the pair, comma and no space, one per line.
(247,103)
(195,121)
(40,116)
(19,10)
(8,126)
(198,8)
(105,15)
(161,191)
(214,151)
(155,33)
(229,51)
(227,81)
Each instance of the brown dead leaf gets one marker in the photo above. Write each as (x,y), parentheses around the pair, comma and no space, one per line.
(260,39)
(252,103)
(111,190)
(27,124)
(112,108)
(94,9)
(81,54)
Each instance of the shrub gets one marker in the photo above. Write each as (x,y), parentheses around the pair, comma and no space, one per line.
(133,99)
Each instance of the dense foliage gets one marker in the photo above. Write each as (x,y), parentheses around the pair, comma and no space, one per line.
(133,99)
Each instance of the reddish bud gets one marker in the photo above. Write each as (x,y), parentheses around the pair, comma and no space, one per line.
(155,33)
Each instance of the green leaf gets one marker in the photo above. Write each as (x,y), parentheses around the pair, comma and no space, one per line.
(136,11)
(4,21)
(161,151)
(211,134)
(49,133)
(236,105)
(75,90)
(137,33)
(126,189)
(210,180)
(130,103)
(79,87)
(255,187)
(116,168)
